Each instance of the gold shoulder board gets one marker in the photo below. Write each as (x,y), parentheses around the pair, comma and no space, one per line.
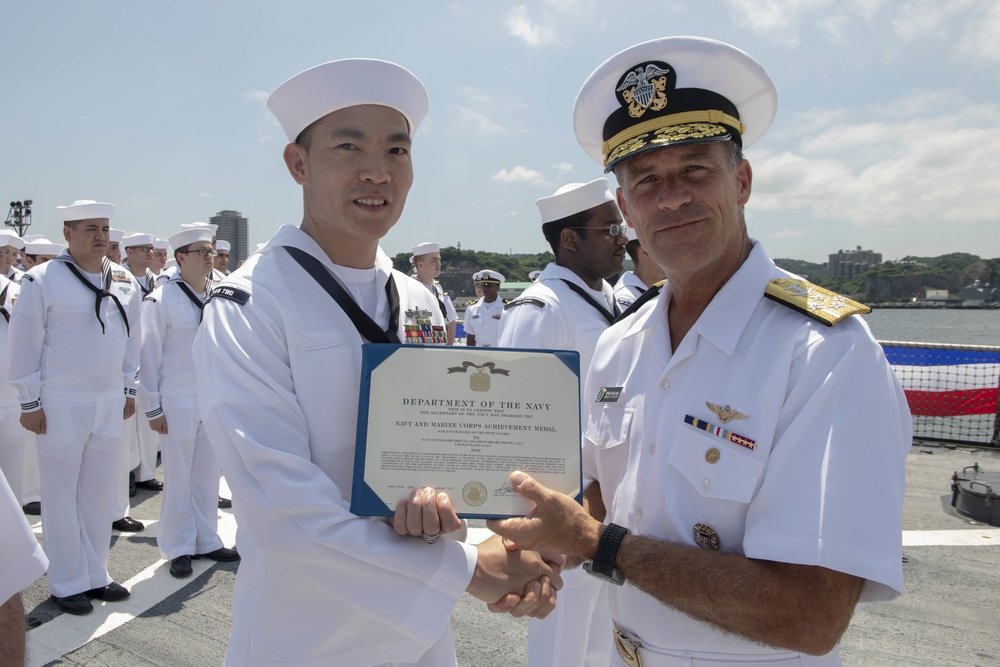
(818,303)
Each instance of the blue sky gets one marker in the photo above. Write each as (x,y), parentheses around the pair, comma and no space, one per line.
(887,134)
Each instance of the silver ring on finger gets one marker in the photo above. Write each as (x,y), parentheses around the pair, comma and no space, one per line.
(431,539)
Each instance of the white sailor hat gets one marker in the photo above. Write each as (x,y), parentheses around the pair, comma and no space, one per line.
(28,238)
(169,264)
(160,244)
(426,248)
(533,276)
(487,276)
(9,238)
(43,247)
(115,235)
(308,96)
(137,239)
(669,91)
(86,209)
(574,198)
(191,235)
(200,225)
(221,245)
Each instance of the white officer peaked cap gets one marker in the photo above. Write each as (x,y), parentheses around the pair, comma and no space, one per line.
(115,235)
(9,238)
(308,96)
(574,198)
(669,91)
(200,225)
(487,276)
(426,248)
(160,244)
(43,247)
(86,209)
(222,245)
(137,239)
(191,235)
(534,275)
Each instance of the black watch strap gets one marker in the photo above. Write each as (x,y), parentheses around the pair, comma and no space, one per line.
(607,549)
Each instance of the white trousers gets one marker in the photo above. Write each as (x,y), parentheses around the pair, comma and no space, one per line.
(127,459)
(12,448)
(31,484)
(576,632)
(189,507)
(147,444)
(76,460)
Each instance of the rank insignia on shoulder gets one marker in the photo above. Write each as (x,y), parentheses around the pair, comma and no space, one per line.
(25,276)
(816,302)
(523,300)
(236,294)
(149,298)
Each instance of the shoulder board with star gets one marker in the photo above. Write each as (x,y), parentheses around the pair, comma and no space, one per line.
(523,300)
(813,301)
(231,293)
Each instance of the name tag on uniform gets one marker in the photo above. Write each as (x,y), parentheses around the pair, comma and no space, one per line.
(608,394)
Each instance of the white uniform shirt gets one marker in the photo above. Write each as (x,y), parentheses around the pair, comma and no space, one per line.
(449,314)
(169,323)
(147,281)
(14,274)
(482,320)
(21,557)
(830,430)
(280,374)
(563,320)
(9,290)
(57,347)
(628,289)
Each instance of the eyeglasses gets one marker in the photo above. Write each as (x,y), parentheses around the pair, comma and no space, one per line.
(141,248)
(204,252)
(614,230)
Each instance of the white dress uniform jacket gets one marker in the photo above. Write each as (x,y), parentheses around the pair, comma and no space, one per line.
(628,289)
(814,473)
(12,434)
(21,558)
(279,367)
(550,315)
(448,314)
(482,320)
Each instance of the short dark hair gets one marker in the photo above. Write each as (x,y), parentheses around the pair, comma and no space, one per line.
(305,136)
(735,150)
(552,230)
(180,251)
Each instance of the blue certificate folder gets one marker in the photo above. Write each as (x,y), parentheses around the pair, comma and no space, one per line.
(364,500)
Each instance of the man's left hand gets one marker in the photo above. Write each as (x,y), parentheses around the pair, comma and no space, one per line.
(129,408)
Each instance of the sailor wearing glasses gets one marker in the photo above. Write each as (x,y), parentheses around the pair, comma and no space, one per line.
(568,308)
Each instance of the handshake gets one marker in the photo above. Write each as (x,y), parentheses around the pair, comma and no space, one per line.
(508,578)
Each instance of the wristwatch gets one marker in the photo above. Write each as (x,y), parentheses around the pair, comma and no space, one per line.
(603,565)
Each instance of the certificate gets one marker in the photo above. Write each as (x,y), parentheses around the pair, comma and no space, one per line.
(461,419)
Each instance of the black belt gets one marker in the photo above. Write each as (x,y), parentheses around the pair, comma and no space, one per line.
(101,293)
(365,325)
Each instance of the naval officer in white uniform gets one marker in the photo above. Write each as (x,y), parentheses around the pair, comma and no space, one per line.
(74,358)
(482,318)
(278,361)
(168,394)
(746,436)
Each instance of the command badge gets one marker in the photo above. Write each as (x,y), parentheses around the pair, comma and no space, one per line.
(706,537)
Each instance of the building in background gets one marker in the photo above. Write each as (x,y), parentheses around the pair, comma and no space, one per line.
(233,227)
(850,263)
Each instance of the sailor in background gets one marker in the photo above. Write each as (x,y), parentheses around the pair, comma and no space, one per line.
(278,359)
(222,258)
(39,251)
(114,252)
(74,358)
(160,247)
(10,244)
(568,308)
(168,395)
(482,319)
(426,268)
(746,437)
(644,274)
(12,434)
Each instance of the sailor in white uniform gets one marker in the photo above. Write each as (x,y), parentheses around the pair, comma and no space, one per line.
(222,247)
(74,358)
(278,360)
(426,262)
(482,319)
(160,248)
(39,251)
(644,274)
(21,562)
(10,244)
(746,437)
(568,308)
(168,395)
(115,253)
(12,434)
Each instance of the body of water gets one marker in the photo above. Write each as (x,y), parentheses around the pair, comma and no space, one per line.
(934,325)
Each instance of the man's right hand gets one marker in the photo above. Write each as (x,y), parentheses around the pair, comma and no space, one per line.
(159,424)
(34,421)
(503,575)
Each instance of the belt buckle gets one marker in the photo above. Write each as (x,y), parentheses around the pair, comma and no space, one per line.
(628,650)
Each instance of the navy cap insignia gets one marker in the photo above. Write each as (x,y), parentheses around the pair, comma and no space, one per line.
(645,88)
(725,413)
(706,537)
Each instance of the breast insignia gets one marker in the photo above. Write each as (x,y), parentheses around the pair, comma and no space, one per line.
(816,302)
(725,413)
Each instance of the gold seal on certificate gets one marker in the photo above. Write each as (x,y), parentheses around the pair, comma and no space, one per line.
(461,420)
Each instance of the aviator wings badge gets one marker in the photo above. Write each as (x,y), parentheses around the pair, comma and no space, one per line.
(726,414)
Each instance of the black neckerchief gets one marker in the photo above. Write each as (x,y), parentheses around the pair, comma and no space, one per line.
(194,297)
(607,314)
(648,295)
(3,300)
(365,325)
(102,292)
